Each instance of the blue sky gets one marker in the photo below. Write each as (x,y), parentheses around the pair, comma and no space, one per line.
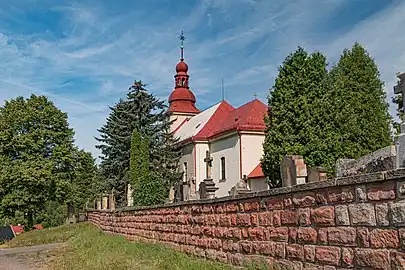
(85,54)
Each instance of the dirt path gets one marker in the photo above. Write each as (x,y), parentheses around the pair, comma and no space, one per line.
(24,258)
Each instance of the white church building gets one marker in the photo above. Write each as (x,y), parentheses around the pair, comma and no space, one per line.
(231,137)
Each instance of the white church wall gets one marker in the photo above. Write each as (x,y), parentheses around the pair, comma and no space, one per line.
(230,149)
(187,157)
(252,151)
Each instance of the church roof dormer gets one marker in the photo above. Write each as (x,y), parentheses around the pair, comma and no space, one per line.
(182,100)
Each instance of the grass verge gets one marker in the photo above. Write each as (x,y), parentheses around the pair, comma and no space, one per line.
(87,247)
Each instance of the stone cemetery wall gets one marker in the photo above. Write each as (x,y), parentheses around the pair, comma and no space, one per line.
(354,222)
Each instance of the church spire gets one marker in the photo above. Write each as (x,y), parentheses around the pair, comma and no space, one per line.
(182,99)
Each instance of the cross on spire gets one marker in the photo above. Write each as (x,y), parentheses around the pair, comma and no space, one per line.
(182,38)
(255,95)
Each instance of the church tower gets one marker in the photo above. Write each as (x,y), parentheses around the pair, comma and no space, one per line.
(181,100)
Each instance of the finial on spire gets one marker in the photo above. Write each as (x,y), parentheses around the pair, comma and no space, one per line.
(182,38)
(255,95)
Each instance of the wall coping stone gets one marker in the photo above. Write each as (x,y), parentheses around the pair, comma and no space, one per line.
(398,174)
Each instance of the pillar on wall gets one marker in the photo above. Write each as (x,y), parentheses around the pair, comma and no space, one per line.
(98,204)
(105,202)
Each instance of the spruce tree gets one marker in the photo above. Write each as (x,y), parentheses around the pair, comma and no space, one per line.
(291,125)
(357,107)
(142,111)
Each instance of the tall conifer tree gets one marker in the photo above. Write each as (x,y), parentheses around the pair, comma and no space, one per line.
(290,126)
(142,111)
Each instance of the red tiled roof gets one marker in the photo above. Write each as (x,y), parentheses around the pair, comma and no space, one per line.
(257,172)
(220,114)
(249,116)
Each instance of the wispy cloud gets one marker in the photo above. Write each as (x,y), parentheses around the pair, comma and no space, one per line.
(85,54)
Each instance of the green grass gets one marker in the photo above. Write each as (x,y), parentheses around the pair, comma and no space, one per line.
(87,247)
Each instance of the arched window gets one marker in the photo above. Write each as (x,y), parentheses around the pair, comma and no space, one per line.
(185,172)
(223,169)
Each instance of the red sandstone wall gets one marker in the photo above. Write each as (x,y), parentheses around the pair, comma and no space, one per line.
(356,222)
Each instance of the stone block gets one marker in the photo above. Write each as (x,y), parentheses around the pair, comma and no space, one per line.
(307,235)
(374,259)
(292,235)
(401,189)
(323,236)
(323,216)
(293,170)
(275,204)
(362,214)
(289,217)
(272,248)
(347,257)
(384,238)
(328,255)
(381,191)
(295,252)
(304,199)
(397,260)
(363,237)
(381,214)
(277,234)
(309,253)
(342,236)
(398,213)
(304,216)
(342,215)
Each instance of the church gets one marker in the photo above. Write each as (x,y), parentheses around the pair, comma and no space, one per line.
(229,138)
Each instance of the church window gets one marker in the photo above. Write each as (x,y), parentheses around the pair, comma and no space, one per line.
(185,172)
(223,169)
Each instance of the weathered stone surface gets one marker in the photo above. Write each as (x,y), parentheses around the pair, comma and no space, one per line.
(309,253)
(323,236)
(342,215)
(304,216)
(342,236)
(398,213)
(398,260)
(347,257)
(363,236)
(362,214)
(328,255)
(304,200)
(376,259)
(381,214)
(381,191)
(307,235)
(289,217)
(295,252)
(323,216)
(384,238)
(402,237)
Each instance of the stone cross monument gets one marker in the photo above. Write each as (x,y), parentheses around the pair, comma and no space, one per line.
(400,138)
(207,187)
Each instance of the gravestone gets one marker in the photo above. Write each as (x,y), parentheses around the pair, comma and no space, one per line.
(111,199)
(207,187)
(316,174)
(383,159)
(98,204)
(293,171)
(400,138)
(130,198)
(240,188)
(105,202)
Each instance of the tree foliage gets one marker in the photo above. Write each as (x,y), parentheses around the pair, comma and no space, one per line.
(325,116)
(38,161)
(148,115)
(290,127)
